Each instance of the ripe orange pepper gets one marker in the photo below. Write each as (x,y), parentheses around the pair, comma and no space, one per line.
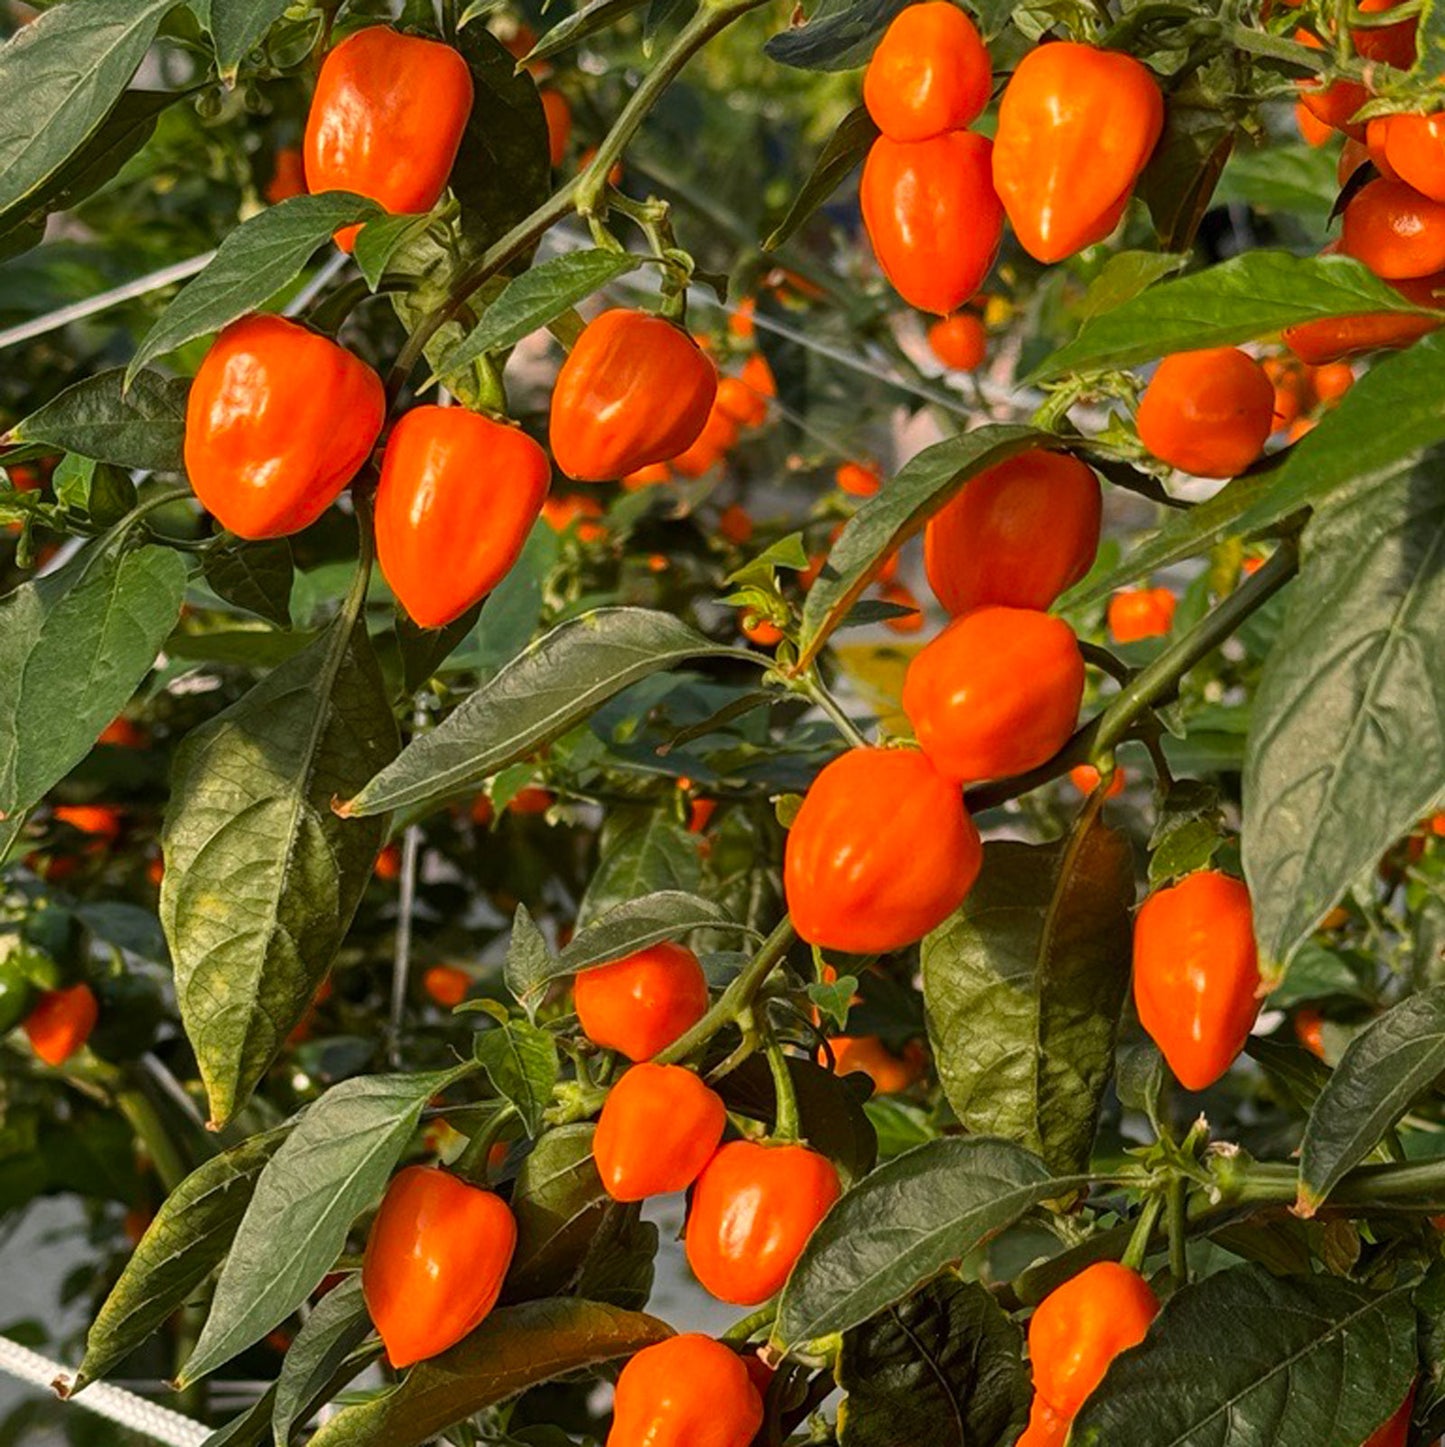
(1208,412)
(753,1208)
(1332,381)
(1046,1428)
(1309,1030)
(718,437)
(649,476)
(288,176)
(278,421)
(857,480)
(868,1055)
(1076,126)
(688,1391)
(929,74)
(759,630)
(659,1126)
(1018,534)
(1136,613)
(435,1260)
(101,820)
(1396,1431)
(740,403)
(881,852)
(1414,147)
(1196,975)
(1389,44)
(123,733)
(960,342)
(388,863)
(1312,129)
(561,510)
(61,1022)
(1079,1328)
(634,390)
(641,1003)
(459,494)
(1085,778)
(1335,103)
(1398,233)
(1331,339)
(758,375)
(387,120)
(447,985)
(932,217)
(996,693)
(559,124)
(1293,390)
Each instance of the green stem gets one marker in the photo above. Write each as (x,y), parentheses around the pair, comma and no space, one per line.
(146,1123)
(787,1126)
(1178,1223)
(736,998)
(1138,1247)
(749,1326)
(471,1165)
(812,687)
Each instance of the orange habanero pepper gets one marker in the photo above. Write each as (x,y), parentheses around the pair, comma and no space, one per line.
(1398,233)
(960,342)
(641,1003)
(932,216)
(1415,148)
(753,1208)
(996,693)
(1046,1428)
(868,1055)
(1076,126)
(1208,412)
(659,1126)
(929,74)
(61,1022)
(1196,975)
(634,390)
(387,120)
(1332,339)
(1018,534)
(458,496)
(435,1260)
(558,114)
(857,479)
(446,985)
(882,851)
(278,421)
(687,1391)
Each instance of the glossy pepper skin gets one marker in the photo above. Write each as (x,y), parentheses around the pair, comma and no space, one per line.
(1414,146)
(1046,1427)
(640,1004)
(1076,126)
(1196,974)
(1081,1327)
(634,390)
(753,1208)
(1208,412)
(387,120)
(1398,233)
(659,1126)
(688,1391)
(1331,339)
(929,74)
(1018,534)
(1138,613)
(996,693)
(960,342)
(881,852)
(61,1022)
(435,1260)
(278,421)
(458,496)
(932,216)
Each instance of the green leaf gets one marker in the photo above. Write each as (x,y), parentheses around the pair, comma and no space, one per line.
(238,25)
(255,577)
(516,1347)
(1178,183)
(902,1225)
(591,18)
(642,853)
(1389,1065)
(1312,1362)
(838,35)
(1124,276)
(1246,297)
(381,238)
(1295,180)
(334,1164)
(536,298)
(638,923)
(261,877)
(521,1062)
(844,151)
(944,1367)
(185,1242)
(86,634)
(529,961)
(542,693)
(1346,748)
(254,262)
(62,73)
(338,1323)
(1024,987)
(249,1428)
(99,419)
(893,514)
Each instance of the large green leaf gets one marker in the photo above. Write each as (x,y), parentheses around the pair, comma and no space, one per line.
(521,1062)
(1246,297)
(185,1242)
(62,74)
(516,1347)
(333,1165)
(1392,1062)
(555,684)
(944,1367)
(894,513)
(261,877)
(1024,987)
(1245,1359)
(237,25)
(254,262)
(256,577)
(73,647)
(1346,749)
(337,1325)
(902,1225)
(144,427)
(640,922)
